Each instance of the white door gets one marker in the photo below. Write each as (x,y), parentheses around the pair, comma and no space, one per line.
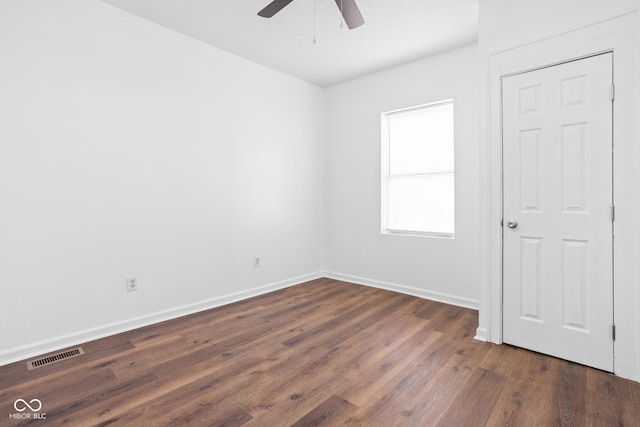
(558,215)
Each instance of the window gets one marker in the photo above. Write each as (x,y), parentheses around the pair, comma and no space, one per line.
(418,192)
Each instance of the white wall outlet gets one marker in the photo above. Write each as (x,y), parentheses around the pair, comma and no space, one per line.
(256,261)
(132,283)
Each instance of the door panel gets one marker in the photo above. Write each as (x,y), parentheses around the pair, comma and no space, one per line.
(557,186)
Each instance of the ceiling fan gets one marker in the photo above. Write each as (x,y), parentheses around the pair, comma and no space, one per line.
(348,8)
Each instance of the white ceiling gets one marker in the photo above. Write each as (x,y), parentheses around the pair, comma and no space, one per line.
(395,32)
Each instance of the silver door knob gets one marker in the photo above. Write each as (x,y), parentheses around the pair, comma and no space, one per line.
(512,223)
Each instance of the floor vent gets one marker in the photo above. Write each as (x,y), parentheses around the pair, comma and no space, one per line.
(57,357)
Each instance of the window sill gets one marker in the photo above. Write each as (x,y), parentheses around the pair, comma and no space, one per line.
(411,233)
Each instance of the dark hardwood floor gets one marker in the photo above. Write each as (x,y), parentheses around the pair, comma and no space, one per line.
(321,353)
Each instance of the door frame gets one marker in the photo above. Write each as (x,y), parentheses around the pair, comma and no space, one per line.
(617,35)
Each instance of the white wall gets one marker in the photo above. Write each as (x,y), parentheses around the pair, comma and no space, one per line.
(128,149)
(509,23)
(355,249)
(522,29)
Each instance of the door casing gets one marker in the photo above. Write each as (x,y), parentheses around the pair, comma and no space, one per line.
(617,34)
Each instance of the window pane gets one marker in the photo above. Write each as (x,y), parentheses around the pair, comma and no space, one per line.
(421,203)
(421,140)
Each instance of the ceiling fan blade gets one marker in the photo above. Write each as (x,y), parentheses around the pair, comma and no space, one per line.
(274,7)
(350,13)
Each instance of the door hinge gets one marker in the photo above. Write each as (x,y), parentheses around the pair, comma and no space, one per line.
(613,332)
(613,213)
(613,92)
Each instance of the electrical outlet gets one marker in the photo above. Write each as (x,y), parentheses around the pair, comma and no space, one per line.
(256,261)
(132,283)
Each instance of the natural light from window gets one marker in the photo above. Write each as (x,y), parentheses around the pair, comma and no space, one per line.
(418,188)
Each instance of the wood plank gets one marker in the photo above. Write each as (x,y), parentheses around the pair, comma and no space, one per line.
(634,391)
(605,383)
(607,410)
(17,373)
(483,389)
(284,399)
(323,352)
(364,350)
(523,403)
(432,400)
(333,325)
(154,400)
(332,411)
(375,373)
(570,394)
(54,394)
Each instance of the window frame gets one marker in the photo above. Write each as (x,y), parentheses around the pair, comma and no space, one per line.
(386,176)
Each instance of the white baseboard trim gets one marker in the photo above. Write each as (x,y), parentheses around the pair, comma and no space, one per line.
(481,334)
(422,293)
(17,354)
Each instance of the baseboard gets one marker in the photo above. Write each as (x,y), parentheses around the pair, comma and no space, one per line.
(422,293)
(17,354)
(481,334)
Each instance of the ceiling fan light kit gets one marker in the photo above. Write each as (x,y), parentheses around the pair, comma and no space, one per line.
(348,8)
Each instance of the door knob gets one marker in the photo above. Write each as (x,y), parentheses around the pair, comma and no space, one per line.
(512,223)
